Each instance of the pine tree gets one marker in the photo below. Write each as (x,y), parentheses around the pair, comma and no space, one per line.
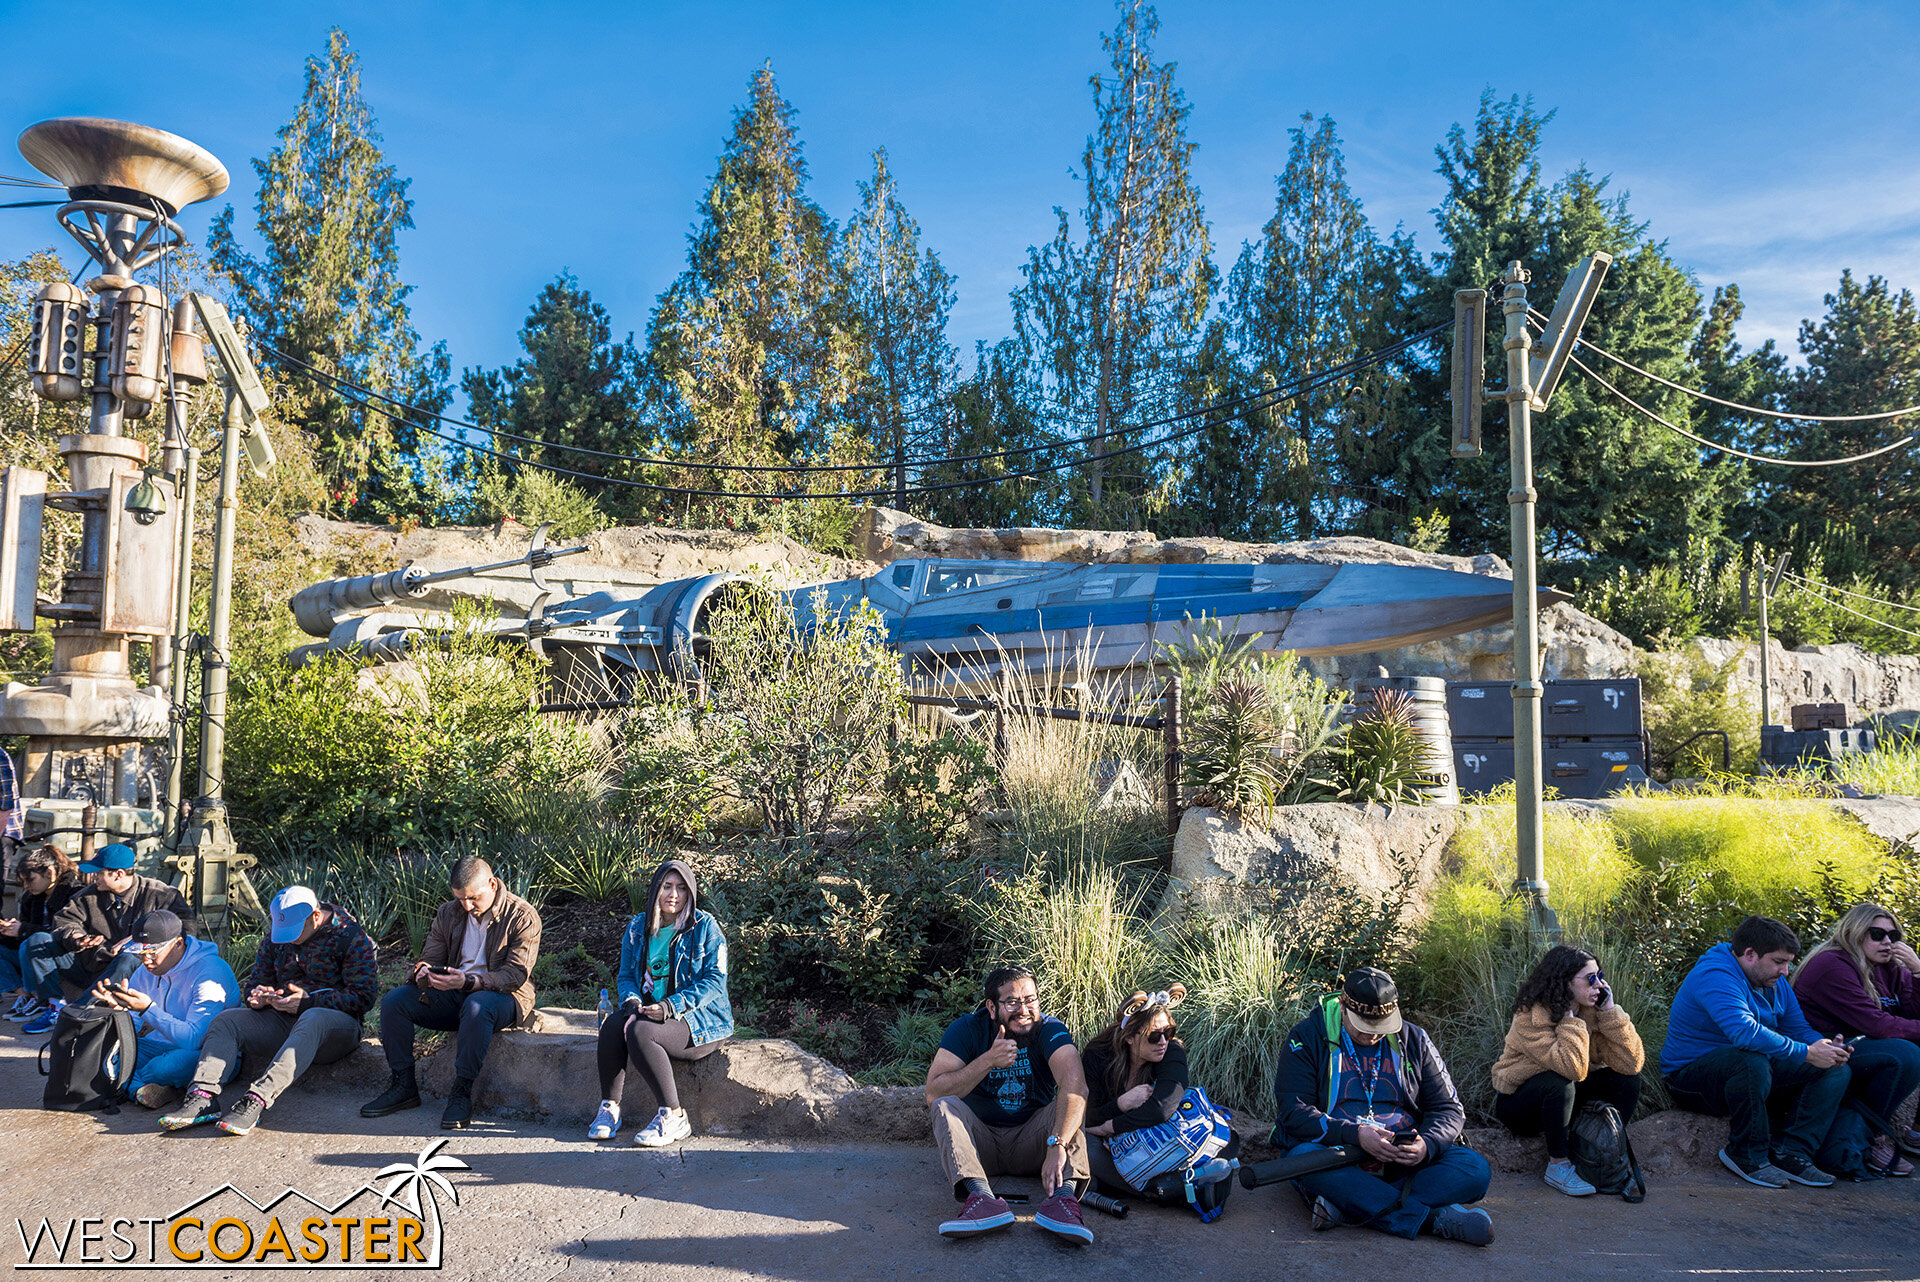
(993,411)
(752,355)
(576,386)
(1110,320)
(1862,356)
(1300,302)
(1757,378)
(327,290)
(900,297)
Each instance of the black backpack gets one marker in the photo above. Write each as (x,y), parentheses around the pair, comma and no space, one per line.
(1602,1154)
(1845,1150)
(92,1049)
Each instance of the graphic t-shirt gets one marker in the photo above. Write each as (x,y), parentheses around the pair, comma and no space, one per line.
(1008,1096)
(659,960)
(1369,1087)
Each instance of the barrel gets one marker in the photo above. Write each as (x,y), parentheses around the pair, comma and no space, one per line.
(1428,698)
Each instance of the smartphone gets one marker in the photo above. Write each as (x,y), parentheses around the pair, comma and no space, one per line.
(1855,1041)
(1405,1137)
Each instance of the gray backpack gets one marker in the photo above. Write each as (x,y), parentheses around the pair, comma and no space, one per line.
(92,1052)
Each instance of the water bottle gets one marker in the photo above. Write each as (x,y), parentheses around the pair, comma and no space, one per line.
(1214,1169)
(606,1005)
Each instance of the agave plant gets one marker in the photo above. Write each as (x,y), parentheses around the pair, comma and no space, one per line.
(1384,758)
(1232,752)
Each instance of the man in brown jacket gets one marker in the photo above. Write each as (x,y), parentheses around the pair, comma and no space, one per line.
(474,976)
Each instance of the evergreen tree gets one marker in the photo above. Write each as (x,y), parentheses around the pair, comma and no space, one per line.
(751,353)
(1110,320)
(1757,378)
(901,297)
(327,290)
(1300,302)
(1862,356)
(575,386)
(993,410)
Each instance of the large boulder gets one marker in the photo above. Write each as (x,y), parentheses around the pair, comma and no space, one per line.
(1219,860)
(1873,685)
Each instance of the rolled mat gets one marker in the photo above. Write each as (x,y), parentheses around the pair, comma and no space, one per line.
(1292,1168)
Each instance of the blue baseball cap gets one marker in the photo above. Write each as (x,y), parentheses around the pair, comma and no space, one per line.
(287,915)
(115,858)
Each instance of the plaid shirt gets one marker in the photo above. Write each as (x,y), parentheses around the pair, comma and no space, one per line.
(339,959)
(13,817)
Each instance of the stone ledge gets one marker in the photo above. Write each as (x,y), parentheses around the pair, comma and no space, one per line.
(756,1089)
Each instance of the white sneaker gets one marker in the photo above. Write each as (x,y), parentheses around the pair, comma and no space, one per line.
(668,1126)
(1561,1175)
(606,1122)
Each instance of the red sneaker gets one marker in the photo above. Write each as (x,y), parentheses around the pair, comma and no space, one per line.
(1060,1216)
(983,1214)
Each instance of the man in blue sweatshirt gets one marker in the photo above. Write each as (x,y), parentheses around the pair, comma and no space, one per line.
(1737,1045)
(182,983)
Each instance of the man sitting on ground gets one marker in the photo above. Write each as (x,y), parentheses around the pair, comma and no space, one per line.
(313,982)
(1008,1094)
(181,986)
(1354,1073)
(474,977)
(1739,1047)
(97,921)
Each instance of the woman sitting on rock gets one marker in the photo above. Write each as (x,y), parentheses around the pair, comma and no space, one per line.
(1861,983)
(1569,1043)
(673,1004)
(1136,1077)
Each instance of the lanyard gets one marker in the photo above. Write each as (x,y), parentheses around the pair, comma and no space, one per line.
(1369,1081)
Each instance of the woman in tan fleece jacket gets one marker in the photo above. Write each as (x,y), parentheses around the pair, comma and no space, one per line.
(1569,1043)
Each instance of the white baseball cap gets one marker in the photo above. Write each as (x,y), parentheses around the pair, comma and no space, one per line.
(289,912)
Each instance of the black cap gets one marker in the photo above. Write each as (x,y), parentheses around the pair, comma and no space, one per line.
(156,930)
(1371,1001)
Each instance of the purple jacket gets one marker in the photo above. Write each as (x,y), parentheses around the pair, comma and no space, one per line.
(1838,1004)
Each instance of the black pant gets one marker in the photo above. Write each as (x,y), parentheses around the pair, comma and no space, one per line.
(652,1048)
(1751,1089)
(1544,1104)
(1168,1188)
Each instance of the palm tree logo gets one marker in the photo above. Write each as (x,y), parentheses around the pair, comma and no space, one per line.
(423,1173)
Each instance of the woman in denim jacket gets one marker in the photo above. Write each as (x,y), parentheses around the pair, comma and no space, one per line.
(673,1004)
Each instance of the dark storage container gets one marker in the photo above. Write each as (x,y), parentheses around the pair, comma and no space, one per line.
(1606,708)
(1573,768)
(1484,764)
(1783,749)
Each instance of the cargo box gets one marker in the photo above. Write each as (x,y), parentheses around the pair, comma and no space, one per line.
(1606,708)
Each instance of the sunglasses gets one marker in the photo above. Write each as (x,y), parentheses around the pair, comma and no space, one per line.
(1880,934)
(1596,979)
(1159,1036)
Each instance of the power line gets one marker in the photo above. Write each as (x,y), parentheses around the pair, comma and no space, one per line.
(1879,623)
(1747,409)
(354,394)
(1728,449)
(1831,587)
(1242,402)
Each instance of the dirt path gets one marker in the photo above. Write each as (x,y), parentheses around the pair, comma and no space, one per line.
(541,1203)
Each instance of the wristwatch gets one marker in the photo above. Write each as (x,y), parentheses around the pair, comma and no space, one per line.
(1054,1141)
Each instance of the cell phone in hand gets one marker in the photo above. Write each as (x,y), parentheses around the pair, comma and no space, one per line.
(1404,1138)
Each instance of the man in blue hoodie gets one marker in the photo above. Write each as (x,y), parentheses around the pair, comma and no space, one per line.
(182,983)
(1738,1045)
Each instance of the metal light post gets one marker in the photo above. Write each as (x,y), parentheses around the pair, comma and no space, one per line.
(1531,381)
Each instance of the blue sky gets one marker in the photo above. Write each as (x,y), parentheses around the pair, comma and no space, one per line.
(1770,144)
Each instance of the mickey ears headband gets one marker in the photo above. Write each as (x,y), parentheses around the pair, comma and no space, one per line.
(1169,997)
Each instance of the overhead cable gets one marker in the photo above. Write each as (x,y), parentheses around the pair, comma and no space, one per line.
(1728,449)
(1313,382)
(1243,402)
(1831,587)
(1879,623)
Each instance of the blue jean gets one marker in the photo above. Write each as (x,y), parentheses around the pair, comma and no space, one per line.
(1885,1071)
(1750,1089)
(118,971)
(471,1017)
(44,964)
(1399,1205)
(12,975)
(157,1062)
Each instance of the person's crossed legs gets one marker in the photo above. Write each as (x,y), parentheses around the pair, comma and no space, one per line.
(1399,1204)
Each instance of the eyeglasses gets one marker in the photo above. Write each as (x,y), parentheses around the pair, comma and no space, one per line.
(1880,934)
(1595,980)
(1018,1003)
(1159,1036)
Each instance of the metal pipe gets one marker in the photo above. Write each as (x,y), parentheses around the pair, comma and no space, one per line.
(215,657)
(180,641)
(1530,831)
(1170,752)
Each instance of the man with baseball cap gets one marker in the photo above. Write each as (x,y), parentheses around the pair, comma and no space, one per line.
(95,923)
(313,981)
(182,983)
(1355,1074)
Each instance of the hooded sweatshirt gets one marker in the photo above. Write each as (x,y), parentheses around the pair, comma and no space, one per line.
(1839,1005)
(695,986)
(185,999)
(1718,1007)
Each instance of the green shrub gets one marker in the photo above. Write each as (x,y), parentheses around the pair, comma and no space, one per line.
(533,497)
(1684,693)
(831,1037)
(935,783)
